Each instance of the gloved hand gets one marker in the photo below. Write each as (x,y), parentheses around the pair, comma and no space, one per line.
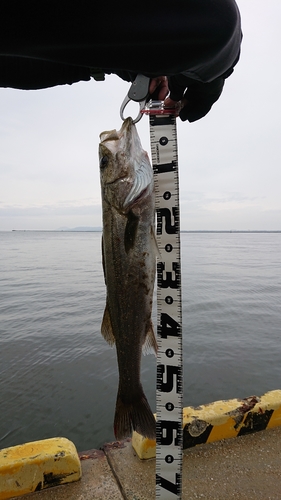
(192,98)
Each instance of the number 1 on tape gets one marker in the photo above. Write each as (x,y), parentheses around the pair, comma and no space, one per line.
(169,433)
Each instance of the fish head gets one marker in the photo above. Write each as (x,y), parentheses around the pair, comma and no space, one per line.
(125,171)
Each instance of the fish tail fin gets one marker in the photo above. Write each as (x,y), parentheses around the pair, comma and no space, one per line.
(135,415)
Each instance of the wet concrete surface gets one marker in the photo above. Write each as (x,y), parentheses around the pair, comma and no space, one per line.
(246,467)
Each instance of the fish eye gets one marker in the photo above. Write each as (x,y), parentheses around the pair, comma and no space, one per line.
(104,161)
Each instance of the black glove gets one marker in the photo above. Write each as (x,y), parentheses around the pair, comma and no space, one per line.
(199,96)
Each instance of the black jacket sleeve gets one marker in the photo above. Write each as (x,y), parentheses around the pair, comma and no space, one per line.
(33,74)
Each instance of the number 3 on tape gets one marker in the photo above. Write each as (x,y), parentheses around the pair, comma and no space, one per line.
(169,433)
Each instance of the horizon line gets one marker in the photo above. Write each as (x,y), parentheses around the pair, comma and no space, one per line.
(99,229)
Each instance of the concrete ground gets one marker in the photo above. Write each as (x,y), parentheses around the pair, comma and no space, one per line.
(244,468)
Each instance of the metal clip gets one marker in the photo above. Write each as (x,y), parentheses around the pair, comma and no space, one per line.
(138,92)
(158,108)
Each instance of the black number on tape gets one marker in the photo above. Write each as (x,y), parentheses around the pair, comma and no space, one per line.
(173,378)
(165,213)
(168,485)
(168,327)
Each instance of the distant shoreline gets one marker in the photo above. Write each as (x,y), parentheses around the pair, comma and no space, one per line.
(231,231)
(99,230)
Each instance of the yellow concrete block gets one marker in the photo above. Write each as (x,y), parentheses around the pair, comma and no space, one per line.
(144,447)
(221,420)
(33,466)
(223,431)
(216,413)
(272,401)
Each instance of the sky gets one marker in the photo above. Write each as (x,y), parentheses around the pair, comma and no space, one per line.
(229,162)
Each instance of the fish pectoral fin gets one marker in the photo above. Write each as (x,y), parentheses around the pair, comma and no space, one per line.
(131,231)
(103,260)
(150,343)
(106,327)
(155,244)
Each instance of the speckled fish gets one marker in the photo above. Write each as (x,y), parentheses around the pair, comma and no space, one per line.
(129,260)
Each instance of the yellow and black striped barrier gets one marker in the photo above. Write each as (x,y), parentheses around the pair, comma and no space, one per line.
(221,420)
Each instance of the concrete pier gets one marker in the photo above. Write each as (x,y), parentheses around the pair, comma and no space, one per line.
(241,468)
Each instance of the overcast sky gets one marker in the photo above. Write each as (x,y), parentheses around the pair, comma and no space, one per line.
(230,161)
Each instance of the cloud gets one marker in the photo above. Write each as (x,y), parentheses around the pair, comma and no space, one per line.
(229,162)
(54,210)
(71,213)
(231,210)
(219,201)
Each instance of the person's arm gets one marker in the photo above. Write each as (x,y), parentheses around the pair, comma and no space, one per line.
(33,74)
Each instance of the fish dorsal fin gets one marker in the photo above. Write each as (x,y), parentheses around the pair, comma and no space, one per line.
(150,343)
(130,231)
(106,327)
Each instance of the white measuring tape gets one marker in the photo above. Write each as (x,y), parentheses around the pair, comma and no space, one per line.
(169,394)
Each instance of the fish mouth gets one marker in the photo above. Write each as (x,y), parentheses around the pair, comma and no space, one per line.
(115,181)
(127,125)
(139,173)
(112,137)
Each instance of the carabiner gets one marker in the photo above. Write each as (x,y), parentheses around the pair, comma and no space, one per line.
(138,92)
(124,104)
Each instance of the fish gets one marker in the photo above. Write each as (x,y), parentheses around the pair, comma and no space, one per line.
(129,251)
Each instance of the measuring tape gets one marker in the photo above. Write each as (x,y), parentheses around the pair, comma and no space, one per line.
(169,392)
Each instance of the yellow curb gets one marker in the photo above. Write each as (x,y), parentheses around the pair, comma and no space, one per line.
(34,466)
(221,420)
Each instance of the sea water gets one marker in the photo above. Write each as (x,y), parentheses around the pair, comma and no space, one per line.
(58,376)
